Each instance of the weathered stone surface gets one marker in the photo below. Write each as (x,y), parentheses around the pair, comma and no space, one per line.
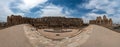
(2,25)
(56,22)
(103,22)
(75,38)
(45,22)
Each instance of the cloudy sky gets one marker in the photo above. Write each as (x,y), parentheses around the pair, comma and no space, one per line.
(86,9)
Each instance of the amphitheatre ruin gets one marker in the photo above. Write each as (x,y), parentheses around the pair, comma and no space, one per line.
(56,22)
(21,31)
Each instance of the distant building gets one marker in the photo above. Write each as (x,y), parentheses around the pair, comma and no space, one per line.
(102,21)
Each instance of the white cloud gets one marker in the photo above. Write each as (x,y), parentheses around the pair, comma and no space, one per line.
(91,16)
(25,6)
(28,4)
(110,7)
(4,9)
(52,10)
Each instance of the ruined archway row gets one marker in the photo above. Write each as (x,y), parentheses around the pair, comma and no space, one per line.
(56,22)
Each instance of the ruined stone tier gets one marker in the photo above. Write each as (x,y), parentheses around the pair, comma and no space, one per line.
(45,22)
(102,21)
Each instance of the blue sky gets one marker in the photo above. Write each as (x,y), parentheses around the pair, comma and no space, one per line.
(86,9)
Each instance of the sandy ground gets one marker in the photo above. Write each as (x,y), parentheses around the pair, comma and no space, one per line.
(27,36)
(37,38)
(14,37)
(102,37)
(52,35)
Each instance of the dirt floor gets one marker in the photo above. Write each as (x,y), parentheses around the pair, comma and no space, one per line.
(102,37)
(40,38)
(14,37)
(28,36)
(61,35)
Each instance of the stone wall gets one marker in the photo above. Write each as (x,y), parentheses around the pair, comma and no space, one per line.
(17,19)
(14,20)
(102,21)
(45,22)
(0,24)
(59,22)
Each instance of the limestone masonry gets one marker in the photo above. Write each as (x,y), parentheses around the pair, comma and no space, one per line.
(55,22)
(46,22)
(102,21)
